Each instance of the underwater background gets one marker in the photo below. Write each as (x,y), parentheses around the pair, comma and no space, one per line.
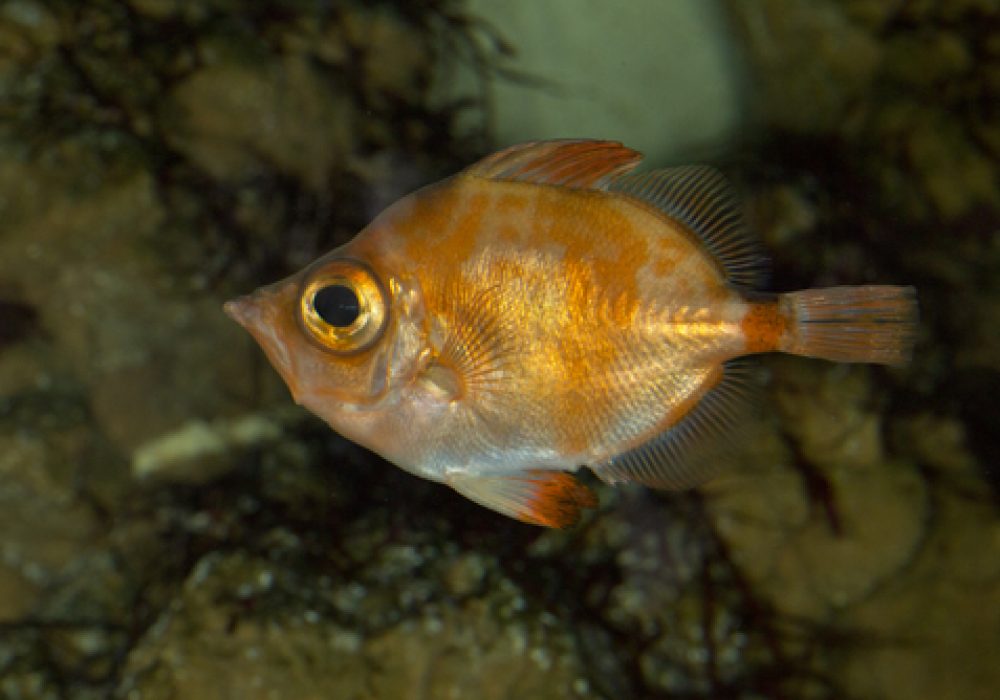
(172,526)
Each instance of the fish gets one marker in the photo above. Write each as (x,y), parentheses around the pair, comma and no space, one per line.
(551,307)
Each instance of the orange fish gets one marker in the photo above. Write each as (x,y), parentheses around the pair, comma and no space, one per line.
(546,309)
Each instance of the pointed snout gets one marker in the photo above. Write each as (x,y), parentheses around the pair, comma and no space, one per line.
(263,315)
(242,310)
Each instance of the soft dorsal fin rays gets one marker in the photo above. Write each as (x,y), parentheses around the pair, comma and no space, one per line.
(698,447)
(549,498)
(583,164)
(700,197)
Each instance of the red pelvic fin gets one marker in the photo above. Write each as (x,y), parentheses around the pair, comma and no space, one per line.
(538,497)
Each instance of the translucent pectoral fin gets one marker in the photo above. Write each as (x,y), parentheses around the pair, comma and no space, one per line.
(551,499)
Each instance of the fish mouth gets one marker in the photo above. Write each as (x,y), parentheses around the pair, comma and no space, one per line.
(255,312)
(241,310)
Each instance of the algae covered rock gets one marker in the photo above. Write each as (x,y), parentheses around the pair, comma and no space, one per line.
(241,626)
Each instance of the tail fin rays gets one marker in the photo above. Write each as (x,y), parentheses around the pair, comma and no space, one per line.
(852,324)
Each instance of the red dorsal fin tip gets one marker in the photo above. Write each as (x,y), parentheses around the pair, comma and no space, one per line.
(583,164)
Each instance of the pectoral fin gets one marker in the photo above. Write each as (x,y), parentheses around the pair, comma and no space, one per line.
(551,499)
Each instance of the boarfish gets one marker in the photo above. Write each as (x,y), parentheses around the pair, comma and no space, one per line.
(545,309)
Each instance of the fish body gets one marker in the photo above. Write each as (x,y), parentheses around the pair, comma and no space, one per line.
(547,309)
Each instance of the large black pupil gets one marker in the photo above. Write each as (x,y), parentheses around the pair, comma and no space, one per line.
(337,305)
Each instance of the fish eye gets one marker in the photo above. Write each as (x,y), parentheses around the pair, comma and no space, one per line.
(337,304)
(343,306)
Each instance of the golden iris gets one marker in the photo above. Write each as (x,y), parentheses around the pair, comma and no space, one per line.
(343,306)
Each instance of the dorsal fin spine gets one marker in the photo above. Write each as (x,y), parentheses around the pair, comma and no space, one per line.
(582,164)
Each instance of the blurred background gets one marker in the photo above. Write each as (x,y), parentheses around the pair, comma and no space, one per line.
(172,526)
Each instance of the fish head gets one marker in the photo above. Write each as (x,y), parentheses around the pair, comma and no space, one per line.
(346,334)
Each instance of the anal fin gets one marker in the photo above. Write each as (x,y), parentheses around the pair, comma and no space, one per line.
(548,498)
(698,447)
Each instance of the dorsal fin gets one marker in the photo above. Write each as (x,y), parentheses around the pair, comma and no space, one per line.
(584,164)
(698,447)
(538,497)
(699,197)
(696,195)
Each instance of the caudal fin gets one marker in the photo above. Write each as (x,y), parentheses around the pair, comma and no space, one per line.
(851,324)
